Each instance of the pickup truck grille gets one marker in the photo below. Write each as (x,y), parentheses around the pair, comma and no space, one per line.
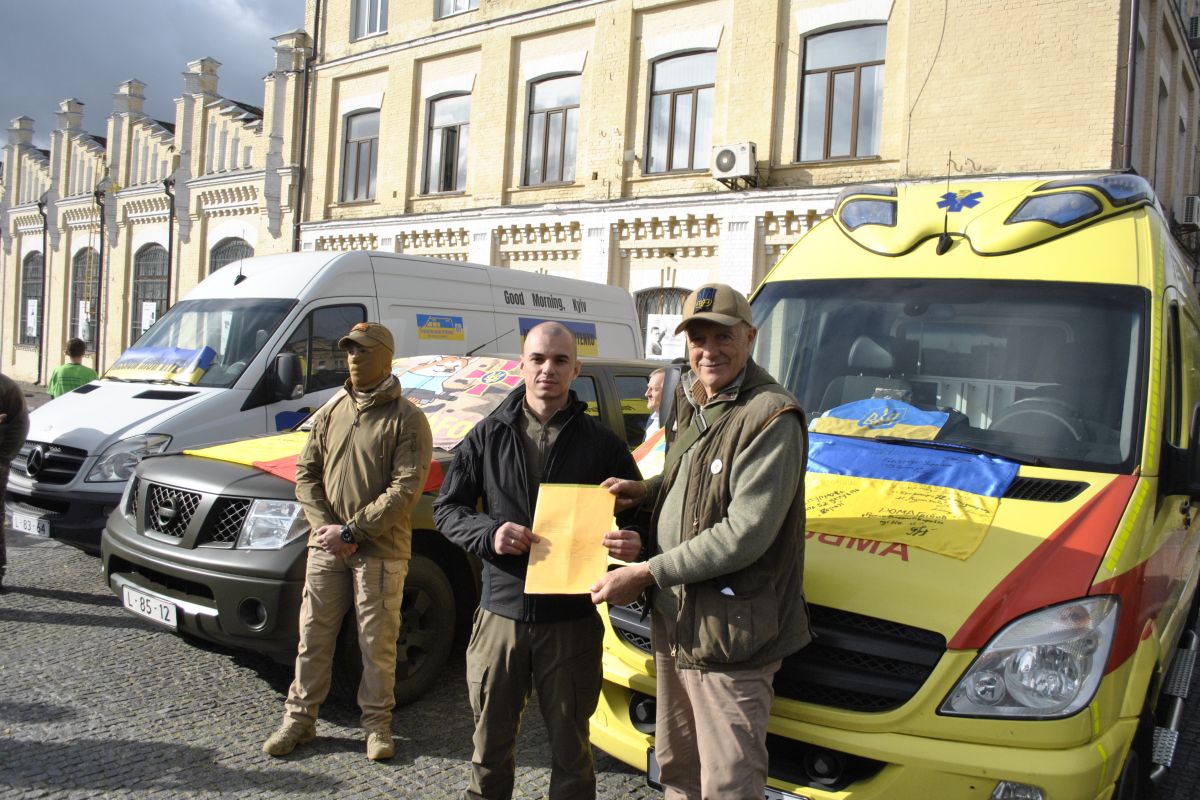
(169,510)
(224,521)
(854,662)
(50,464)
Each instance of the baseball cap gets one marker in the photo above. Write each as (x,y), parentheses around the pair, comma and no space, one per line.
(369,334)
(716,302)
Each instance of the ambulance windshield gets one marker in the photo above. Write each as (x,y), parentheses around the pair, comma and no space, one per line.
(1041,372)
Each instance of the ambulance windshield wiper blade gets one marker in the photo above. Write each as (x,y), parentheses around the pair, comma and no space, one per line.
(964,448)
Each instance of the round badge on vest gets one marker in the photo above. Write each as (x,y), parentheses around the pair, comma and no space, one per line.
(715,466)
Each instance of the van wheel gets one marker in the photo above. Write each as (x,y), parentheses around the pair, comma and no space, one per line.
(1134,781)
(426,633)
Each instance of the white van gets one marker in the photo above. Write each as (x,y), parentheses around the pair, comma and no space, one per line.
(252,349)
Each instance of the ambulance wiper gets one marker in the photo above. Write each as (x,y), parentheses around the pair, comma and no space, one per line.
(962,448)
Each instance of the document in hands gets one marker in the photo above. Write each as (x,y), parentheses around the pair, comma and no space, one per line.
(570,523)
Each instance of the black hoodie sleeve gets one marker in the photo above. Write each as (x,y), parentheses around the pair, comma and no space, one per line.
(455,510)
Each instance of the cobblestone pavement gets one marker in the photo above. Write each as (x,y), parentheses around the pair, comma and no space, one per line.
(96,703)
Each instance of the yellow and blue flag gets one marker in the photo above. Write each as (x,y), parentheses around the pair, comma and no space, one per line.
(939,500)
(880,416)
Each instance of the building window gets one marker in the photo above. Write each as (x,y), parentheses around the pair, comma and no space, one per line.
(85,297)
(448,8)
(553,130)
(29,317)
(681,106)
(228,251)
(446,155)
(370,17)
(360,158)
(842,99)
(149,289)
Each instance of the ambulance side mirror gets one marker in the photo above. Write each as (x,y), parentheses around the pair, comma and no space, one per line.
(1180,472)
(289,377)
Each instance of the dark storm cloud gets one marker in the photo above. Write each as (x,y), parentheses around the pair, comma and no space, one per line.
(54,49)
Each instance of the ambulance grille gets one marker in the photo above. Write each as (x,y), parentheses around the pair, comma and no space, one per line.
(1044,490)
(859,663)
(854,662)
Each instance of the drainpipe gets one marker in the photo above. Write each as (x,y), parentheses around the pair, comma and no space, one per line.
(168,184)
(41,206)
(302,167)
(1130,81)
(98,194)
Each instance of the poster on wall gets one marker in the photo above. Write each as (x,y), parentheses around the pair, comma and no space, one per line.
(661,339)
(149,314)
(31,318)
(84,324)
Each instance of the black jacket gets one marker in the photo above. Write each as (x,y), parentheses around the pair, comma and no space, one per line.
(490,464)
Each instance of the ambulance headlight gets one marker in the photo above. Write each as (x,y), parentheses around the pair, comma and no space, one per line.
(271,524)
(116,463)
(1045,665)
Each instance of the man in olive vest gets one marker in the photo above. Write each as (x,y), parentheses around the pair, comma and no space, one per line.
(727,555)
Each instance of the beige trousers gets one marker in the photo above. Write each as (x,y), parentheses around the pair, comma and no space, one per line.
(375,587)
(710,729)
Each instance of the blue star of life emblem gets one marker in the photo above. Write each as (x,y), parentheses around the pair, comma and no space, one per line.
(957,201)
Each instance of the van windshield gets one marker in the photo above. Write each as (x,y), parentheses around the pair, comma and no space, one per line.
(202,342)
(1040,372)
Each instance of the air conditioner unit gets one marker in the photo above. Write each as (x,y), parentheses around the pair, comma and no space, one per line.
(1191,210)
(732,161)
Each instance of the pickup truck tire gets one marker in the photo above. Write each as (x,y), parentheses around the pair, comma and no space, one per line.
(426,633)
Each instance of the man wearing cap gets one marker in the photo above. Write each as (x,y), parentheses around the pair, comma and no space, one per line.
(727,544)
(359,477)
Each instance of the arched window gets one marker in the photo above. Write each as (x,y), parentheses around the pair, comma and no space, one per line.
(448,128)
(29,316)
(681,110)
(149,289)
(85,297)
(553,130)
(226,252)
(660,300)
(842,104)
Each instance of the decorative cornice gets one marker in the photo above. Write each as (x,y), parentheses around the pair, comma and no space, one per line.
(229,201)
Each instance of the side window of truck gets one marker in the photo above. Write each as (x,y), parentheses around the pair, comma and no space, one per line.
(315,342)
(585,389)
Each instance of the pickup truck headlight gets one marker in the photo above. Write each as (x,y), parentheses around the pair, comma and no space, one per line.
(1045,665)
(271,524)
(117,461)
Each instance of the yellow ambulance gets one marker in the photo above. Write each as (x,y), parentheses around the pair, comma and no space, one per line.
(1002,383)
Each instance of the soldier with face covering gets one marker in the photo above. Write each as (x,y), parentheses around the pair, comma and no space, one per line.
(358,479)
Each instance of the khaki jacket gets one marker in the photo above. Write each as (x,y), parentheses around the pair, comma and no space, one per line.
(366,468)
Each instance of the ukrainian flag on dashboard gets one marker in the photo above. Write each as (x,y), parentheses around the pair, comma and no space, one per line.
(939,500)
(880,416)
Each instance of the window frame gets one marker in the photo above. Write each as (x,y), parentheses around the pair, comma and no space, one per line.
(78,283)
(565,133)
(374,12)
(439,11)
(139,283)
(855,69)
(216,259)
(674,94)
(355,147)
(28,283)
(427,182)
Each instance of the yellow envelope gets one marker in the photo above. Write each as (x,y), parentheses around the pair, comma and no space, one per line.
(570,521)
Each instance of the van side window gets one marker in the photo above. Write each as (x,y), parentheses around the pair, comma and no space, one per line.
(1173,382)
(315,342)
(631,390)
(585,389)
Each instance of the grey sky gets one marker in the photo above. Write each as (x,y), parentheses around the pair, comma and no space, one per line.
(54,49)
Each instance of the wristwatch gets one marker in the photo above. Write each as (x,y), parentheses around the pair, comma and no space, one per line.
(347,535)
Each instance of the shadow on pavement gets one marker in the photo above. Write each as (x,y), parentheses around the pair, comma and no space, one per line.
(33,712)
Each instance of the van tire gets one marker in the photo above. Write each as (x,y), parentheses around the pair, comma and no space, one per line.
(426,633)
(1134,781)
